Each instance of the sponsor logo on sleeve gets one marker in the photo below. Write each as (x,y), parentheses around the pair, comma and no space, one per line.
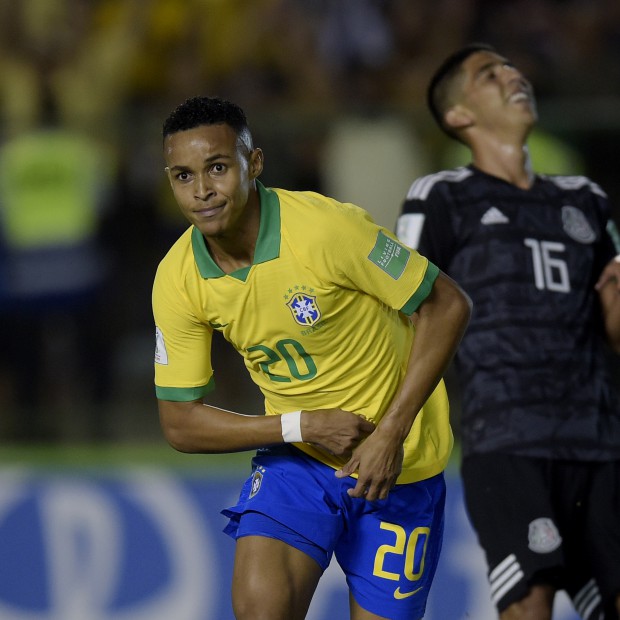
(389,255)
(161,355)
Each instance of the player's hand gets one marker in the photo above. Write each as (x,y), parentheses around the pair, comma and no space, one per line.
(378,463)
(611,272)
(335,430)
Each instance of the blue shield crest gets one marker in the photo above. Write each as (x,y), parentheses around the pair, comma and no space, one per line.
(304,308)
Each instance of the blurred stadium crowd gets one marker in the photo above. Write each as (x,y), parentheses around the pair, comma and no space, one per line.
(334,90)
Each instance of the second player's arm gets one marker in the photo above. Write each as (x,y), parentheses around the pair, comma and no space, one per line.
(608,287)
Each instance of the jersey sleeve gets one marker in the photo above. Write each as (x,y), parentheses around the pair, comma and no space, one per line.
(425,222)
(183,370)
(368,257)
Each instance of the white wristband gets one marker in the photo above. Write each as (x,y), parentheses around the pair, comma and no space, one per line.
(291,427)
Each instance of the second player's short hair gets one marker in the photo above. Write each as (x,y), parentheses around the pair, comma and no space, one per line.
(197,111)
(438,92)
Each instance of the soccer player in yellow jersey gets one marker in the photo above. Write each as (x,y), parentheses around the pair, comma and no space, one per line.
(319,302)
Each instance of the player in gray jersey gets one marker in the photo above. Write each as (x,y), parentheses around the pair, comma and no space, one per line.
(540,422)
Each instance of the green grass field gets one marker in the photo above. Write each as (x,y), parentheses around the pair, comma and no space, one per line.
(118,456)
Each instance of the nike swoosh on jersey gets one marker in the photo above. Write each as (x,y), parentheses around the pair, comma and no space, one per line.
(399,595)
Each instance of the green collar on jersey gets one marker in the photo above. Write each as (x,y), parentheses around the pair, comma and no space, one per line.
(267,244)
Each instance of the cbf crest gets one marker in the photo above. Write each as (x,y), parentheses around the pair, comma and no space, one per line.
(257,481)
(304,308)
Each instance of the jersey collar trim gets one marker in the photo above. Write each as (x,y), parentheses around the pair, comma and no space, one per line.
(267,244)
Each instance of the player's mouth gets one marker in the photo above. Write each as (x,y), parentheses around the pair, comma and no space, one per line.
(520,95)
(208,212)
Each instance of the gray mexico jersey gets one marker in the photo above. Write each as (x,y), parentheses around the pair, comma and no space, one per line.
(532,364)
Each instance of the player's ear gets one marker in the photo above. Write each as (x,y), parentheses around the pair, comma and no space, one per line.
(458,117)
(256,163)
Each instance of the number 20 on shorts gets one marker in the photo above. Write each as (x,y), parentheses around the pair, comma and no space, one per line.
(412,547)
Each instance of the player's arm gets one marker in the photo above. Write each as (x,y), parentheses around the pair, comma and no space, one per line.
(183,359)
(440,323)
(608,287)
(197,427)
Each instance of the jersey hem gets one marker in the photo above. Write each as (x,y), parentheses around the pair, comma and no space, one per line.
(406,477)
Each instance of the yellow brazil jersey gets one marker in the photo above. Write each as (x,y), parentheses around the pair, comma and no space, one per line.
(320,318)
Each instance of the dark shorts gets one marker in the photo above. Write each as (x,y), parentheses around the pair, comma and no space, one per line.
(388,549)
(543,521)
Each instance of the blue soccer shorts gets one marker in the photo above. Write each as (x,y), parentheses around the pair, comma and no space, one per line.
(388,549)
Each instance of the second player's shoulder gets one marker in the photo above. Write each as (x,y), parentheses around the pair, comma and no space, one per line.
(572,184)
(426,186)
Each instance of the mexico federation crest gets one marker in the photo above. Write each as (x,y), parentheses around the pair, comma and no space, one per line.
(576,225)
(304,308)
(543,536)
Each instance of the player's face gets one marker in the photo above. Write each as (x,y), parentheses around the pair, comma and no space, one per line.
(211,173)
(496,93)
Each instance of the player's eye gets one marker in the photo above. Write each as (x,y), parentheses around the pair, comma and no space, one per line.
(182,176)
(218,168)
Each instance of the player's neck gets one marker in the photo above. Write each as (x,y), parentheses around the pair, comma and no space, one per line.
(232,260)
(509,161)
(234,249)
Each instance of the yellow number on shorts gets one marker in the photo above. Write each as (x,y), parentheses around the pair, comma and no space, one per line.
(403,546)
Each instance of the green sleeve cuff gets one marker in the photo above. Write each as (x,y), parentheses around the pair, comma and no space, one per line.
(432,271)
(184,394)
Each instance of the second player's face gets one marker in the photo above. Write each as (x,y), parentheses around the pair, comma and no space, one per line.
(211,175)
(496,92)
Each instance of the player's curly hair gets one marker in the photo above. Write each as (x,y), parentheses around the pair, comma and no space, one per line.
(438,94)
(197,111)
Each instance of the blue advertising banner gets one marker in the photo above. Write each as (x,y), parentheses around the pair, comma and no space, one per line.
(145,543)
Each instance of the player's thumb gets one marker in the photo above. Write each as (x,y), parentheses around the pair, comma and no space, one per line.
(347,469)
